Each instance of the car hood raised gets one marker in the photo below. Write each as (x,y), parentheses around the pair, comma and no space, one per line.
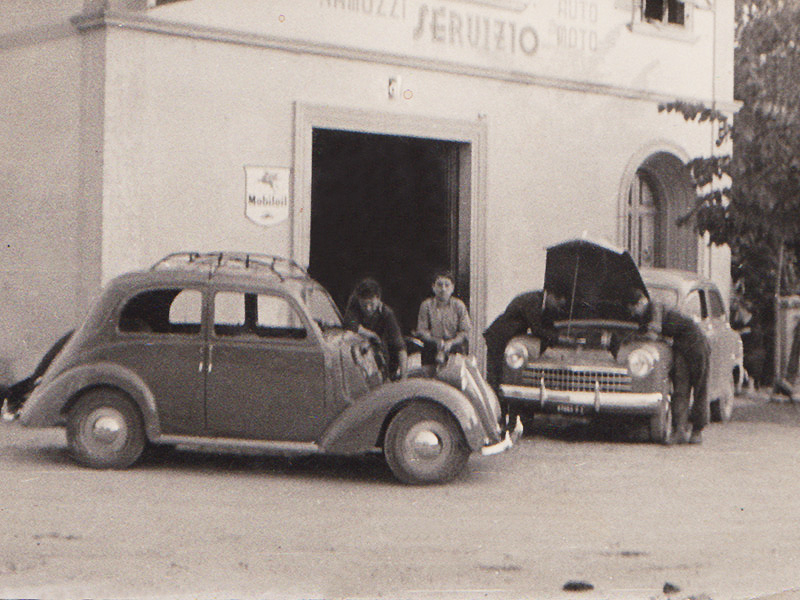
(597,279)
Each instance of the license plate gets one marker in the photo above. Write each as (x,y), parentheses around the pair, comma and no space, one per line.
(569,409)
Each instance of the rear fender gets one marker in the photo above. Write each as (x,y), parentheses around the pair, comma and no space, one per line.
(360,427)
(48,404)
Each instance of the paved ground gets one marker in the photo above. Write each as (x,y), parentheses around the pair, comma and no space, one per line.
(569,504)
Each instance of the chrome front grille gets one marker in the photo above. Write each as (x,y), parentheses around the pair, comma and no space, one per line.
(578,379)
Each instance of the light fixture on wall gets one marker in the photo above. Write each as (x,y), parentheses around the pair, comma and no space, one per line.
(393,89)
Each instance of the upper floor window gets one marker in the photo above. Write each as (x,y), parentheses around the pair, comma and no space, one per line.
(671,12)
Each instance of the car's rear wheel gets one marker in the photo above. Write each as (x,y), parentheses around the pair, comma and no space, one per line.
(661,423)
(722,407)
(105,430)
(424,444)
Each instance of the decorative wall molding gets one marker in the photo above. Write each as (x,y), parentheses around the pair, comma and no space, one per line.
(308,117)
(141,22)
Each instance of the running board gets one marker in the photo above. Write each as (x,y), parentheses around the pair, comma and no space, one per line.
(266,446)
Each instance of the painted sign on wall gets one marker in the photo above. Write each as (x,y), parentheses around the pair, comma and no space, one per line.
(266,194)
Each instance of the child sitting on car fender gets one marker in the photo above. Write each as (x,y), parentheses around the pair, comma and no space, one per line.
(443,323)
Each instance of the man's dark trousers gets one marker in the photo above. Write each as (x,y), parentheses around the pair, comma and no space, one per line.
(690,373)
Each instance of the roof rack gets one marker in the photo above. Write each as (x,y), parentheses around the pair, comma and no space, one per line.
(213,261)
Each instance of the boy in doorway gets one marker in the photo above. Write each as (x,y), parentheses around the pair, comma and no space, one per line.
(443,322)
(367,315)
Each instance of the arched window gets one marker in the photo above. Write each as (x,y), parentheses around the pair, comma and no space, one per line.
(641,222)
(651,205)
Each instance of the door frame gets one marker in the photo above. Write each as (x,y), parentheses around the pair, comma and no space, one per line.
(471,185)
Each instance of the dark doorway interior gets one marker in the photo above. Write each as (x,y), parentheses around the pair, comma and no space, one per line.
(387,207)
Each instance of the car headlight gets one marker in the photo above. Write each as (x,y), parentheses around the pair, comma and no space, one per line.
(516,355)
(642,360)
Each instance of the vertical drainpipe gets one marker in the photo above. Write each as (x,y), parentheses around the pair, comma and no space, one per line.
(712,141)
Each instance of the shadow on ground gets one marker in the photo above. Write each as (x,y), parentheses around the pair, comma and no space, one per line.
(753,408)
(370,467)
(758,408)
(583,430)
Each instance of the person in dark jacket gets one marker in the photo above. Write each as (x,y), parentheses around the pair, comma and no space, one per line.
(785,385)
(689,373)
(749,327)
(367,315)
(532,312)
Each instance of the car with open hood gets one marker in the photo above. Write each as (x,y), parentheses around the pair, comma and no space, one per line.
(602,364)
(236,350)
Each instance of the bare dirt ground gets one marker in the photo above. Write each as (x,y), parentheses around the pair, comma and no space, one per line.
(569,504)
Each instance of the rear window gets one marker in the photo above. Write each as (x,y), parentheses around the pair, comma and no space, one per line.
(667,297)
(693,305)
(168,310)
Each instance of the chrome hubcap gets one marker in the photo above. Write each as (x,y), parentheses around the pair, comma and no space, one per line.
(426,445)
(105,430)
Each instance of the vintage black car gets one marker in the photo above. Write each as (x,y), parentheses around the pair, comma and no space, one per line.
(602,364)
(238,350)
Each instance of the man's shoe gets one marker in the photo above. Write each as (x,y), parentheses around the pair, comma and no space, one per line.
(783,387)
(679,436)
(696,437)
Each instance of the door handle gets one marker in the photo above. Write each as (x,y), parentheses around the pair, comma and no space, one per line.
(202,361)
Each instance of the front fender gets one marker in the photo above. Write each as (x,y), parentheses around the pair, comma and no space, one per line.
(47,405)
(358,429)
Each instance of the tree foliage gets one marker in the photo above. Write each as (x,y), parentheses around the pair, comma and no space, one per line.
(759,211)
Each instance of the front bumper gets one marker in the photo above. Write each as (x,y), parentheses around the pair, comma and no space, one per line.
(509,439)
(541,399)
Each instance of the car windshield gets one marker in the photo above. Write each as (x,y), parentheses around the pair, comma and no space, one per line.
(319,303)
(667,297)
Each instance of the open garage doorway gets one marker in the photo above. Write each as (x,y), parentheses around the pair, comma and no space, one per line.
(391,207)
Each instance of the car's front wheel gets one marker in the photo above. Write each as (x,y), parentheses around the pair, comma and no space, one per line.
(105,430)
(661,423)
(424,444)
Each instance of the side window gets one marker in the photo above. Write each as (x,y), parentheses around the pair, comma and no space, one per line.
(229,314)
(693,305)
(716,308)
(171,310)
(261,315)
(278,318)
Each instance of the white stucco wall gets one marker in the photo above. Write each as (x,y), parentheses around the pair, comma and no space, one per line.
(40,178)
(587,41)
(175,154)
(125,132)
